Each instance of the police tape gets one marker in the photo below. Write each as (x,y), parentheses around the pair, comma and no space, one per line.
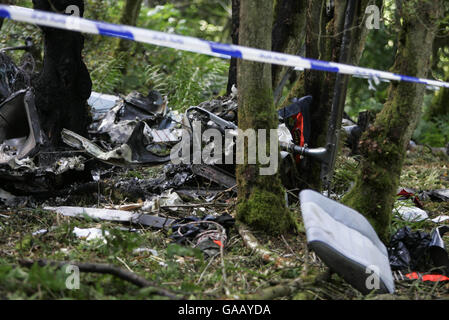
(185,43)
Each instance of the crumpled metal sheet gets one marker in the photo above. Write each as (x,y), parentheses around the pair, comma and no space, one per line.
(120,121)
(167,198)
(20,132)
(130,154)
(12,78)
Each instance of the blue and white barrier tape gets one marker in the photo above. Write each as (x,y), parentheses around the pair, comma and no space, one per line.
(196,45)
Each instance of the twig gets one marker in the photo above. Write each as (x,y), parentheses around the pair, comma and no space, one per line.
(204,271)
(124,263)
(251,242)
(291,250)
(105,269)
(288,289)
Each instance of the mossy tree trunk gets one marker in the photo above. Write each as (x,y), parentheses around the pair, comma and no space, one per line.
(261,203)
(64,85)
(440,103)
(383,146)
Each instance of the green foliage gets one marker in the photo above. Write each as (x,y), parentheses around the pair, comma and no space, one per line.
(345,174)
(434,133)
(186,78)
(193,78)
(378,54)
(183,251)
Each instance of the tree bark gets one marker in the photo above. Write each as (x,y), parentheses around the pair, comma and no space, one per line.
(324,34)
(383,146)
(440,103)
(235,25)
(261,203)
(288,31)
(64,85)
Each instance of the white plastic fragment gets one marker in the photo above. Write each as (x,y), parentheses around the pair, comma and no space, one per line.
(90,234)
(408,213)
(440,219)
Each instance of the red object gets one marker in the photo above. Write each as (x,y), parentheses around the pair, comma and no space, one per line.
(427,277)
(218,242)
(408,195)
(298,133)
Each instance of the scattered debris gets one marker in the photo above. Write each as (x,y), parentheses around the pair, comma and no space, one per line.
(440,219)
(207,234)
(419,251)
(20,134)
(408,213)
(90,234)
(114,215)
(399,276)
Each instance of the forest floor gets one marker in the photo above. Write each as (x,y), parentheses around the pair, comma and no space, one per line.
(184,271)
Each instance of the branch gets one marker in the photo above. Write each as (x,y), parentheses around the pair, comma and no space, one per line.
(105,269)
(290,288)
(251,242)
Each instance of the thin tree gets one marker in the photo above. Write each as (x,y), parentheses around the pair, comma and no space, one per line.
(261,201)
(383,146)
(129,16)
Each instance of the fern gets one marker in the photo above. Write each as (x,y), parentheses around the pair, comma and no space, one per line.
(106,74)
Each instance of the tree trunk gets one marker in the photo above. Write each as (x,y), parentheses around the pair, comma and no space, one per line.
(440,103)
(64,85)
(235,24)
(129,17)
(324,34)
(261,203)
(288,31)
(383,146)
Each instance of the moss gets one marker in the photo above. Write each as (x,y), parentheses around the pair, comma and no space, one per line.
(264,210)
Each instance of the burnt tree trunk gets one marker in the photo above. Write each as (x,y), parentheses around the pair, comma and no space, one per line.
(235,24)
(384,145)
(261,202)
(64,85)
